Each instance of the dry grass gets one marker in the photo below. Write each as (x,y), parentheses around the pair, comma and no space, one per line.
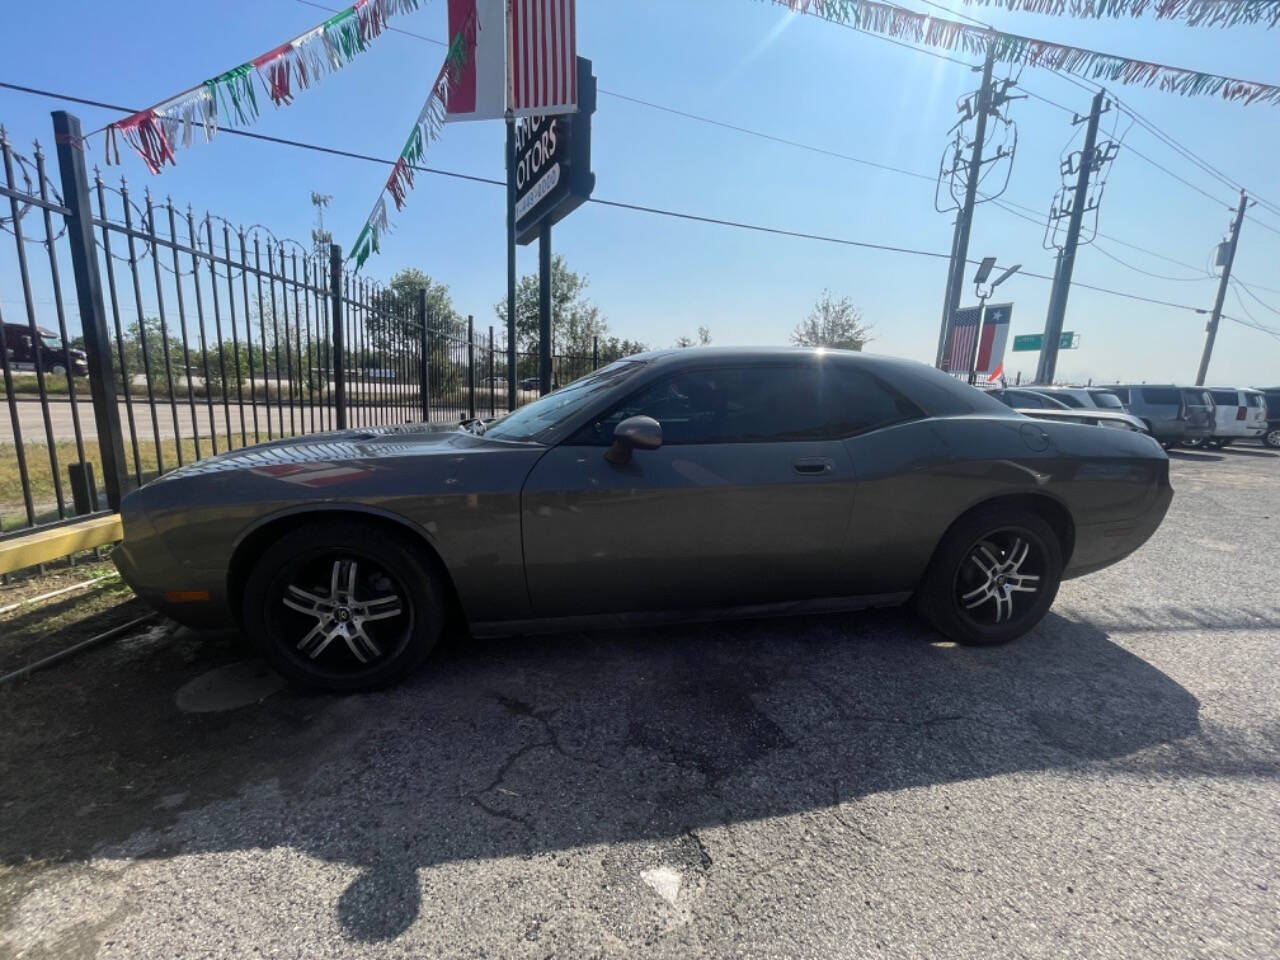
(12,508)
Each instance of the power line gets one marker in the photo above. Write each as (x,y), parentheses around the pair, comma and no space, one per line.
(1157,276)
(1246,289)
(640,208)
(859,160)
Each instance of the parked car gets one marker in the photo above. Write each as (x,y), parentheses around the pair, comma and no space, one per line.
(1047,404)
(1271,438)
(1084,397)
(679,484)
(1239,413)
(1167,412)
(534,383)
(1021,399)
(55,358)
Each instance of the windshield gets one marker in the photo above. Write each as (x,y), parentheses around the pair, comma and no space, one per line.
(1108,401)
(535,419)
(52,342)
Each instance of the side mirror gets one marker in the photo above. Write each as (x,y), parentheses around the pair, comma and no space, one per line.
(633,433)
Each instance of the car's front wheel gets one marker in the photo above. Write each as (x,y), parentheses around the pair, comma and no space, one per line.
(340,606)
(993,577)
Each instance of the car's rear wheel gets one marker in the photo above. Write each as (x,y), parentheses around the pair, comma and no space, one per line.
(1195,442)
(1221,442)
(1272,438)
(993,577)
(342,606)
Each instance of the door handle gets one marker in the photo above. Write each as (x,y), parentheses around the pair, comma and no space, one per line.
(813,465)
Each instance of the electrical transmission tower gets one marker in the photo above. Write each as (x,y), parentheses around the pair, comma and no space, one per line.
(1084,178)
(320,237)
(982,140)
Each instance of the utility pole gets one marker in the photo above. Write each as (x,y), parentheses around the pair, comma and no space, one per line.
(964,218)
(1067,258)
(1228,260)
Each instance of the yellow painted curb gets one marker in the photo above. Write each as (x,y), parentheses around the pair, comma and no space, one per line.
(41,546)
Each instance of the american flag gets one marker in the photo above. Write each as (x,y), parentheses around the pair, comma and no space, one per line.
(542,68)
(963,331)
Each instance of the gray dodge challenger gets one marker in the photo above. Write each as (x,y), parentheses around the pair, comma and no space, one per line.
(677,484)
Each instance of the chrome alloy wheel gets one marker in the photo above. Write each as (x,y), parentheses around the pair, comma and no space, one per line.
(356,599)
(999,578)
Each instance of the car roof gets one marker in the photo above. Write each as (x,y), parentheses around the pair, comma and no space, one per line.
(935,392)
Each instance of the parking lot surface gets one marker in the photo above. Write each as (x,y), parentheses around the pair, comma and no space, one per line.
(829,786)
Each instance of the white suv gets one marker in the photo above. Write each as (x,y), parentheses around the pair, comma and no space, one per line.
(1240,413)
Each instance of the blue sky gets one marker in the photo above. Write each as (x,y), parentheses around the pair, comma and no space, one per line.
(742,62)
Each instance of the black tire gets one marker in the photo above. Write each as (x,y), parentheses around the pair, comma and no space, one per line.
(984,541)
(1272,438)
(392,619)
(1221,442)
(1196,443)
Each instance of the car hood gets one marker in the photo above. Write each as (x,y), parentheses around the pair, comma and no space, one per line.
(327,451)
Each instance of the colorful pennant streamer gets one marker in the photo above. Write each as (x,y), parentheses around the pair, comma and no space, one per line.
(1209,13)
(295,65)
(425,129)
(893,21)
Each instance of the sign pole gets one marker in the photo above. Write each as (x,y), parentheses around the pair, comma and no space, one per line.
(511,262)
(977,343)
(544,307)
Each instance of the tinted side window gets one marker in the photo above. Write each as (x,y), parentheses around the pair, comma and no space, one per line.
(855,402)
(757,404)
(1166,396)
(1070,399)
(1121,392)
(723,405)
(1224,398)
(1108,400)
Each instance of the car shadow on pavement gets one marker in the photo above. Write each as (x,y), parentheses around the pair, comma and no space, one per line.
(528,746)
(1189,455)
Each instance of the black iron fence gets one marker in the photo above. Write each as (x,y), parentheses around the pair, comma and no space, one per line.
(184,335)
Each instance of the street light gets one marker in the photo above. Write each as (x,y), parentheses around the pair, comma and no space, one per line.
(984,290)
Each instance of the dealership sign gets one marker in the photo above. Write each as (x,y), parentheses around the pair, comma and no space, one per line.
(552,167)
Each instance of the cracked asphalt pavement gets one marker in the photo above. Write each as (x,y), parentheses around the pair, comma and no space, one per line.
(828,786)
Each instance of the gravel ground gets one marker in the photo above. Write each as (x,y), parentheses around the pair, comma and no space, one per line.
(834,786)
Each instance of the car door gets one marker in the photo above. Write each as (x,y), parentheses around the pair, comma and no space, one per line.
(746,502)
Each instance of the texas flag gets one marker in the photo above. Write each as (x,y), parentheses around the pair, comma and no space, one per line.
(525,59)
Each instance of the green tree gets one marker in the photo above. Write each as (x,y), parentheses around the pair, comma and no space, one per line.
(833,323)
(703,339)
(576,322)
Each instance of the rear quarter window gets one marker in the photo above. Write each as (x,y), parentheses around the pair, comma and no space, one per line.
(1254,400)
(1162,396)
(1108,401)
(1224,398)
(855,402)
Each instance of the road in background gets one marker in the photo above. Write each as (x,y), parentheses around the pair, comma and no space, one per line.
(829,786)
